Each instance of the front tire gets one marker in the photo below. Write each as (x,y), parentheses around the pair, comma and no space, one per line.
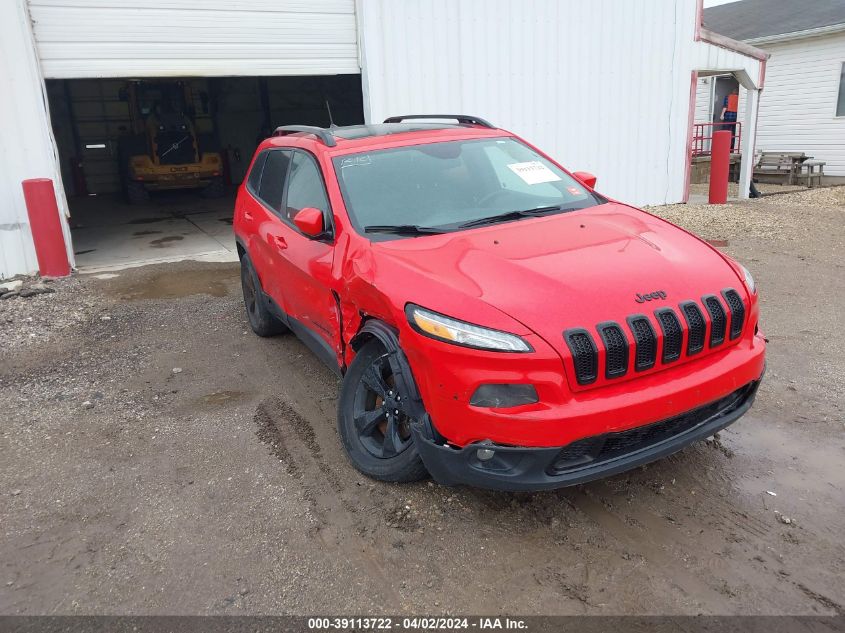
(372,420)
(260,319)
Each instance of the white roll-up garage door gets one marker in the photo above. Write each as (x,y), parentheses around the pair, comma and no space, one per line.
(146,38)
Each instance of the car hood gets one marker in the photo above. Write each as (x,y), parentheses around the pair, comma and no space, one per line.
(570,270)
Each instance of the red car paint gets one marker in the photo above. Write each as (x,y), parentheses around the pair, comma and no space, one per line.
(535,278)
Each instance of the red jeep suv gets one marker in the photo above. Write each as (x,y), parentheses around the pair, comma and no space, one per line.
(496,321)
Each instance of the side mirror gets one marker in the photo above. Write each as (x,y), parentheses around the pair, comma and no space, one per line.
(310,221)
(586,177)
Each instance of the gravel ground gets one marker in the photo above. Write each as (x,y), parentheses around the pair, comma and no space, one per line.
(36,320)
(765,188)
(164,460)
(778,218)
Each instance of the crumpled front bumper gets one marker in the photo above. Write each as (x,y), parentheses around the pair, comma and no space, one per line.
(521,468)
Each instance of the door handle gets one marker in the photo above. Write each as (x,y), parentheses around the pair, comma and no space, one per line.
(281,244)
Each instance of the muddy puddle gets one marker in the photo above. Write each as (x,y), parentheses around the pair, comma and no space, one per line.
(214,280)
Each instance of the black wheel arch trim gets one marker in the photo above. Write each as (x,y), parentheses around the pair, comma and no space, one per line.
(239,242)
(388,336)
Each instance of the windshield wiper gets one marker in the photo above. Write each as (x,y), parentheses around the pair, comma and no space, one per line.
(404,229)
(513,215)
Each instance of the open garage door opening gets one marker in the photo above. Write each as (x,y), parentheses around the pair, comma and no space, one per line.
(150,166)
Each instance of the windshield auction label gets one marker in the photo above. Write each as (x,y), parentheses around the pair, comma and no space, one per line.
(534,172)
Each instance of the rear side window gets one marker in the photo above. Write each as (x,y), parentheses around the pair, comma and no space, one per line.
(306,186)
(273,176)
(255,175)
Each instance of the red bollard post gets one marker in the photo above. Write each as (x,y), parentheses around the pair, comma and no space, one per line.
(46,227)
(720,165)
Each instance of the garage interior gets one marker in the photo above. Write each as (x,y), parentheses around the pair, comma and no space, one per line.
(93,118)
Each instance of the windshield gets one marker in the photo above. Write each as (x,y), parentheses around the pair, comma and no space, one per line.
(452,186)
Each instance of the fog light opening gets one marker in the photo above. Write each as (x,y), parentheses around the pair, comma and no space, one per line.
(503,396)
(485,454)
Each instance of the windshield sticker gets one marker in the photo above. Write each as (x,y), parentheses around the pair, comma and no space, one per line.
(351,161)
(575,191)
(534,172)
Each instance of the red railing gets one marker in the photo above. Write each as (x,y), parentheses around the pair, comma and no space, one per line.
(702,135)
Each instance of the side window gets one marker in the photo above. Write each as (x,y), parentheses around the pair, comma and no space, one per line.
(306,186)
(273,179)
(840,103)
(255,174)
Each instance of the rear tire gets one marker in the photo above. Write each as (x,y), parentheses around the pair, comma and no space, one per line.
(260,319)
(136,193)
(378,442)
(215,189)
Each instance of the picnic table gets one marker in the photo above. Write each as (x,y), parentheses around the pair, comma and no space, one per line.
(790,167)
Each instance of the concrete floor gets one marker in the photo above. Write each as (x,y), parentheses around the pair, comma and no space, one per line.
(109,234)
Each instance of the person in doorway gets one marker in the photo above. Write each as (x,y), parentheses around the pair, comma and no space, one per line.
(729,108)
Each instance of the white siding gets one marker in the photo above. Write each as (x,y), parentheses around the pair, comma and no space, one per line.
(116,38)
(798,106)
(603,88)
(26,146)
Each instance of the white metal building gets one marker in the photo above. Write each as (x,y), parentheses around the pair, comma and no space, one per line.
(608,88)
(804,108)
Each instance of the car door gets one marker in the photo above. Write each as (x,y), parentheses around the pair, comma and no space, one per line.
(307,261)
(262,215)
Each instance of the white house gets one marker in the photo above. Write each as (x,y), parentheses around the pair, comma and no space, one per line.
(607,86)
(804,105)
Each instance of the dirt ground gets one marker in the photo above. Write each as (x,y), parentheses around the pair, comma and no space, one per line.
(159,458)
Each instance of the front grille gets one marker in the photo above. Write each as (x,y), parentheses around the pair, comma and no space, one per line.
(584,355)
(718,320)
(696,327)
(602,448)
(616,346)
(737,308)
(645,341)
(673,335)
(714,319)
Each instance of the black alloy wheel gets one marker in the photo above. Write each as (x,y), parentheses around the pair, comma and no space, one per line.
(375,418)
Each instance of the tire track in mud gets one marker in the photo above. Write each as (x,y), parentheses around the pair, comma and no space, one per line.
(335,502)
(292,440)
(821,599)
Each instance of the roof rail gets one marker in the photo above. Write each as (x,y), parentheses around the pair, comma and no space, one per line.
(464,119)
(322,133)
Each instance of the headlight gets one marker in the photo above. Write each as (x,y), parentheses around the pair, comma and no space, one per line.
(749,280)
(444,328)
